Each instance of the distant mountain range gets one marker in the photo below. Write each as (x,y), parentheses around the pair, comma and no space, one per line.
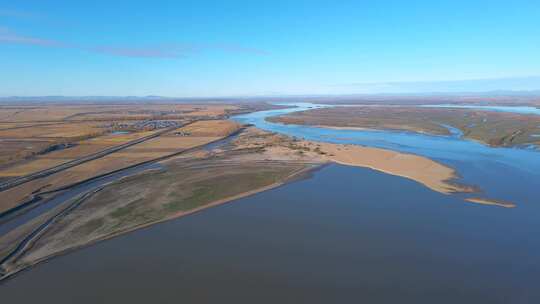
(103,99)
(505,96)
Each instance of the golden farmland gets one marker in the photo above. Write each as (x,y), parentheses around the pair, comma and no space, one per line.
(37,138)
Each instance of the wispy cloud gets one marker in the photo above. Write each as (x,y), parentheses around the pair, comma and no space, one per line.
(234,48)
(18,14)
(137,52)
(7,36)
(158,51)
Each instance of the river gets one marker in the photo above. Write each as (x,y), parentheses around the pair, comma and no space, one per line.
(504,173)
(346,235)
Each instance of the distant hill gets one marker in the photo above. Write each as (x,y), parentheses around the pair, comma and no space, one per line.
(491,97)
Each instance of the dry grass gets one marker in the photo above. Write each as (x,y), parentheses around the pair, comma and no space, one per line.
(13,150)
(212,110)
(33,113)
(167,144)
(33,166)
(62,130)
(114,139)
(83,148)
(53,124)
(148,150)
(108,111)
(211,128)
(12,125)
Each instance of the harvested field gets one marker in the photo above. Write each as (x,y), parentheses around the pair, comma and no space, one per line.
(60,131)
(33,166)
(14,125)
(212,111)
(151,149)
(41,113)
(210,128)
(13,150)
(74,123)
(81,149)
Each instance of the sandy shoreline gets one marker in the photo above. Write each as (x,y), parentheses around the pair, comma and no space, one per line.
(378,130)
(431,174)
(490,202)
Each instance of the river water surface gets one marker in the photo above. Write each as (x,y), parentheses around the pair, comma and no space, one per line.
(511,174)
(346,235)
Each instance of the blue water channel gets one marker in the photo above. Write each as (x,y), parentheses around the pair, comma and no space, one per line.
(502,173)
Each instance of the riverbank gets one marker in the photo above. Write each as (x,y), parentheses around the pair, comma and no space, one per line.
(429,173)
(70,232)
(252,162)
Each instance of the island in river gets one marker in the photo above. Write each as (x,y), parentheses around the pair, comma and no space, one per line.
(494,128)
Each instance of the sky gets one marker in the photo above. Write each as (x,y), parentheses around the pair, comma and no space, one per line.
(258,48)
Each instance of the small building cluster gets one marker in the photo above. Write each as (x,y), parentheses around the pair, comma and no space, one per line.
(145,125)
(155,124)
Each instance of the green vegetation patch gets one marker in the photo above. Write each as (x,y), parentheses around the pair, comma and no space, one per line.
(213,189)
(89,227)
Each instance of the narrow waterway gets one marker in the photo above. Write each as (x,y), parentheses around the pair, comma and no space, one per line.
(511,174)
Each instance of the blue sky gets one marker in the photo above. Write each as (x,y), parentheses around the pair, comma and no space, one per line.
(232,48)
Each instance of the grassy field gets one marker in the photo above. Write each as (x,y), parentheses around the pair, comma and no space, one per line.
(492,128)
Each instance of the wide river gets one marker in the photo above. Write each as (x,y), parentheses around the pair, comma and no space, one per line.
(346,235)
(511,174)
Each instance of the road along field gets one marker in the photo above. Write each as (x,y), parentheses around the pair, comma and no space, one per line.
(77,150)
(29,131)
(169,142)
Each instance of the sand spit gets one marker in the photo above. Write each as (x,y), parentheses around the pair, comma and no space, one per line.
(435,176)
(485,201)
(423,170)
(431,174)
